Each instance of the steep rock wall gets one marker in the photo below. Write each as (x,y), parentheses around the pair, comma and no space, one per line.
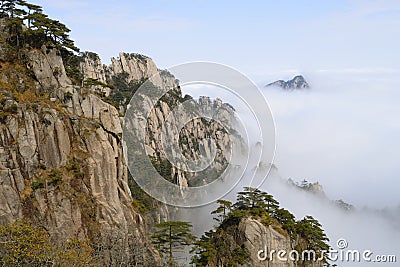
(62,164)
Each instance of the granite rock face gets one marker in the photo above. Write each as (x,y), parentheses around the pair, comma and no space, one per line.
(62,163)
(134,68)
(137,67)
(255,236)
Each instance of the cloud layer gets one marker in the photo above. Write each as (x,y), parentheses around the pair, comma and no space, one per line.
(344,133)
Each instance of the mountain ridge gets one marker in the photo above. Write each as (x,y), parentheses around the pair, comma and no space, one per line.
(298,82)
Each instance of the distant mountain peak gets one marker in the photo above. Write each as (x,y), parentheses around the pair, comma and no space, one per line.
(298,82)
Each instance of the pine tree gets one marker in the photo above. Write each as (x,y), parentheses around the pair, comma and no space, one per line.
(311,230)
(170,236)
(271,203)
(41,30)
(223,210)
(32,9)
(256,201)
(287,220)
(251,200)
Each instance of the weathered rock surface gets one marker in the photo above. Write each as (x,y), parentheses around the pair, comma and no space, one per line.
(62,164)
(255,236)
(136,68)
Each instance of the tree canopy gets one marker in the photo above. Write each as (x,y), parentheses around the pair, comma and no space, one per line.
(29,26)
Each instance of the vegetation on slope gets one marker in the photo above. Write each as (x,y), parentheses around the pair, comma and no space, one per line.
(216,247)
(23,244)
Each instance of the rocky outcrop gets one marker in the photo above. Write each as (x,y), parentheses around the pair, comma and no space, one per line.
(297,82)
(131,69)
(125,74)
(135,65)
(194,137)
(255,236)
(92,67)
(48,67)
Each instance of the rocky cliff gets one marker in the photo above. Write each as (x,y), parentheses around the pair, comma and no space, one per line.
(125,75)
(132,67)
(61,160)
(62,164)
(255,237)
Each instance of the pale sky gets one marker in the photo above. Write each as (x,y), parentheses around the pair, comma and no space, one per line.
(256,37)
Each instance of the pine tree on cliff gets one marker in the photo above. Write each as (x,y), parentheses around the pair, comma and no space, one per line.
(311,231)
(41,30)
(287,220)
(32,9)
(255,201)
(220,247)
(13,10)
(223,210)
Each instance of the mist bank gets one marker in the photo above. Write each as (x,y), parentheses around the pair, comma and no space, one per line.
(342,133)
(363,229)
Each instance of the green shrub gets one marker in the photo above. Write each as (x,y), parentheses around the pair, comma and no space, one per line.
(37,185)
(94,82)
(24,244)
(3,116)
(71,64)
(13,109)
(139,206)
(74,168)
(54,177)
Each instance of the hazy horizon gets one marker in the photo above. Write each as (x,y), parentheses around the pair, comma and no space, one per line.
(257,38)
